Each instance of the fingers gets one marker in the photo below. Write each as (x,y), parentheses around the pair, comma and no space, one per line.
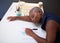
(27,29)
(11,18)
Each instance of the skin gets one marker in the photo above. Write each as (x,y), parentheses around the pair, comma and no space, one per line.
(35,16)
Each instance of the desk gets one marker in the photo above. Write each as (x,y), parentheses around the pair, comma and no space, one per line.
(14,31)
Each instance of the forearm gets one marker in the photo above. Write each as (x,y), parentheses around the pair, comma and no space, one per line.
(25,18)
(39,39)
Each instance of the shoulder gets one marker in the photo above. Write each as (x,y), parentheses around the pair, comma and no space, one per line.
(52,16)
(52,24)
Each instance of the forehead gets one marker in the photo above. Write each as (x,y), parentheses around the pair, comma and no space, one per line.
(35,9)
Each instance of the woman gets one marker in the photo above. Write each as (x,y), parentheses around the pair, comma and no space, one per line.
(50,23)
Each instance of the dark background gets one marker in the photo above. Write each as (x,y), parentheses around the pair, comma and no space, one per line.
(49,6)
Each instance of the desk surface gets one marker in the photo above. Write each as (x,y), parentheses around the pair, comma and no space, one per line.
(14,31)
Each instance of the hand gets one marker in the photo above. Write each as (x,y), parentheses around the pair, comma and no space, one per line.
(29,32)
(11,18)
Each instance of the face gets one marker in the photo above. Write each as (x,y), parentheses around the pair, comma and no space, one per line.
(35,16)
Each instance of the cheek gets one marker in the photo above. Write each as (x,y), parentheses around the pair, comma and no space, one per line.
(35,20)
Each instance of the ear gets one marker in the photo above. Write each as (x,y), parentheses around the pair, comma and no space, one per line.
(41,13)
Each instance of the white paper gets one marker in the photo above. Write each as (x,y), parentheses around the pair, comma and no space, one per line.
(14,31)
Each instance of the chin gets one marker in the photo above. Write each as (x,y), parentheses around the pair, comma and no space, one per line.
(36,22)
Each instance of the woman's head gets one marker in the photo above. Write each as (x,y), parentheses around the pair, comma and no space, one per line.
(36,14)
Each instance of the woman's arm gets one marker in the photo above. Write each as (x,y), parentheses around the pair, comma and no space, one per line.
(25,18)
(51,29)
(33,35)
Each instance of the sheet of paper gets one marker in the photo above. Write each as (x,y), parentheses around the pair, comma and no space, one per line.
(14,31)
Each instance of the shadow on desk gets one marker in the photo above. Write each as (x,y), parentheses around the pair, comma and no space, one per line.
(0,19)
